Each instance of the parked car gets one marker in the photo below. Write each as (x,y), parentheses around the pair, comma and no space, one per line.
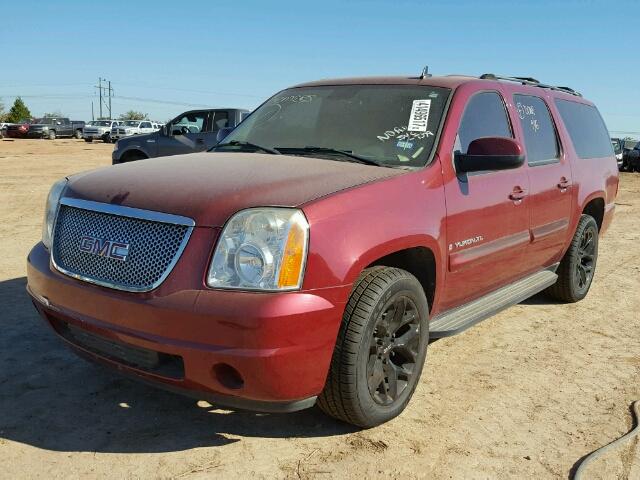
(54,127)
(100,129)
(632,159)
(312,254)
(3,129)
(131,127)
(189,132)
(17,130)
(617,149)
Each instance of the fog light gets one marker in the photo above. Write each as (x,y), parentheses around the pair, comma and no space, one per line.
(228,376)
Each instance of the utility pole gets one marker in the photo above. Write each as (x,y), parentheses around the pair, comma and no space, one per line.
(92,117)
(100,93)
(108,93)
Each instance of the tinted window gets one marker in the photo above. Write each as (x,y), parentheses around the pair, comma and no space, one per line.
(586,128)
(485,116)
(145,125)
(540,138)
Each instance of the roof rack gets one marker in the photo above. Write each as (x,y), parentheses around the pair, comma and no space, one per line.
(530,81)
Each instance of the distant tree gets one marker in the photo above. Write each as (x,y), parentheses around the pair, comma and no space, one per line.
(3,114)
(18,112)
(132,115)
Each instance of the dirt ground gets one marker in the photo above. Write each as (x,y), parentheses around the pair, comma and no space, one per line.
(525,394)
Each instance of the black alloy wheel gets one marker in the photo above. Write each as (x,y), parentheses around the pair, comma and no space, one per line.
(393,350)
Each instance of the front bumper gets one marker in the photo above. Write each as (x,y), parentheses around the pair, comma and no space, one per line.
(257,351)
(95,135)
(36,133)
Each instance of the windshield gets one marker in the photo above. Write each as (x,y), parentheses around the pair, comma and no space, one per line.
(46,121)
(101,123)
(132,123)
(392,125)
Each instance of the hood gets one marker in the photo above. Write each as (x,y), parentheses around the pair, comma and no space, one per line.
(140,138)
(210,187)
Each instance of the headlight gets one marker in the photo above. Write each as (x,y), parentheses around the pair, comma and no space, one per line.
(261,249)
(51,210)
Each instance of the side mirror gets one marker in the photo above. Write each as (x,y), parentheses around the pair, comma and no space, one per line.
(490,153)
(223,133)
(58,123)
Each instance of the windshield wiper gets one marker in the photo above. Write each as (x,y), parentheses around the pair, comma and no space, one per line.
(345,153)
(238,143)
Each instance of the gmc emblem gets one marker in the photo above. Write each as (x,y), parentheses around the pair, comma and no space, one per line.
(104,248)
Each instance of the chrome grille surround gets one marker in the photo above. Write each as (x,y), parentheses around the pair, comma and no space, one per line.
(156,241)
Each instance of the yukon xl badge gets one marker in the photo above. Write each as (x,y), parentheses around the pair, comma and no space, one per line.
(104,248)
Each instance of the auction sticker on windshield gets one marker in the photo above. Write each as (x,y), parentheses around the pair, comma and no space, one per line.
(419,117)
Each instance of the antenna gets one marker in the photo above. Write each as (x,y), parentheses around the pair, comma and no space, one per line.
(425,72)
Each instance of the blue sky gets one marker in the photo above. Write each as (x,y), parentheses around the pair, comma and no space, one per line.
(166,57)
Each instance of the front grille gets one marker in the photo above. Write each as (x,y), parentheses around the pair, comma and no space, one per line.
(83,238)
(121,131)
(159,363)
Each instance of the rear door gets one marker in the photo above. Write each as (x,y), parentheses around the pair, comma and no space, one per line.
(185,134)
(549,179)
(487,212)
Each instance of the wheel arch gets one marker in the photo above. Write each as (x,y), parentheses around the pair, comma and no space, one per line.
(133,154)
(419,256)
(595,206)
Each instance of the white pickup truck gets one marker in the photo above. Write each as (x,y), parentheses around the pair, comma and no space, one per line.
(132,127)
(100,129)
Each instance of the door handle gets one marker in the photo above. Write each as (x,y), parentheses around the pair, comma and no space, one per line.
(517,195)
(563,184)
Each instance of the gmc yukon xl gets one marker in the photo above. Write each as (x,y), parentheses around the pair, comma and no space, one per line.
(314,252)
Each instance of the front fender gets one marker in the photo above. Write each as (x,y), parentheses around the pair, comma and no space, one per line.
(353,228)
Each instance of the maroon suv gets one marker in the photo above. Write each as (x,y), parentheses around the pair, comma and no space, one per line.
(313,253)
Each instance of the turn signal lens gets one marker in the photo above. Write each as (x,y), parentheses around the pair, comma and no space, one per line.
(293,257)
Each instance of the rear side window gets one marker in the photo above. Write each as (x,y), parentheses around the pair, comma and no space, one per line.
(540,138)
(484,116)
(586,128)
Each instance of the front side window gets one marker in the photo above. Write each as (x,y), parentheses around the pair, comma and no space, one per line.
(145,125)
(192,122)
(389,125)
(586,128)
(484,116)
(540,137)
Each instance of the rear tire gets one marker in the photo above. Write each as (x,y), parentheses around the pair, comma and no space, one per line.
(88,140)
(78,134)
(578,265)
(52,134)
(380,349)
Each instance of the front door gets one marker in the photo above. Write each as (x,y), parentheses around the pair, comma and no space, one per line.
(487,212)
(185,134)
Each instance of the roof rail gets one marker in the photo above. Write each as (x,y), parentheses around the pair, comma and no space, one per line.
(529,81)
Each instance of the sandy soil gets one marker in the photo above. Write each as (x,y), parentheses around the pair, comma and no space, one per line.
(525,394)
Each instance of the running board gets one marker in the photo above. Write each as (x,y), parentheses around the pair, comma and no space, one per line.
(459,319)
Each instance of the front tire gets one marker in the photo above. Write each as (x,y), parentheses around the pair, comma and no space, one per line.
(88,139)
(578,265)
(52,134)
(380,349)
